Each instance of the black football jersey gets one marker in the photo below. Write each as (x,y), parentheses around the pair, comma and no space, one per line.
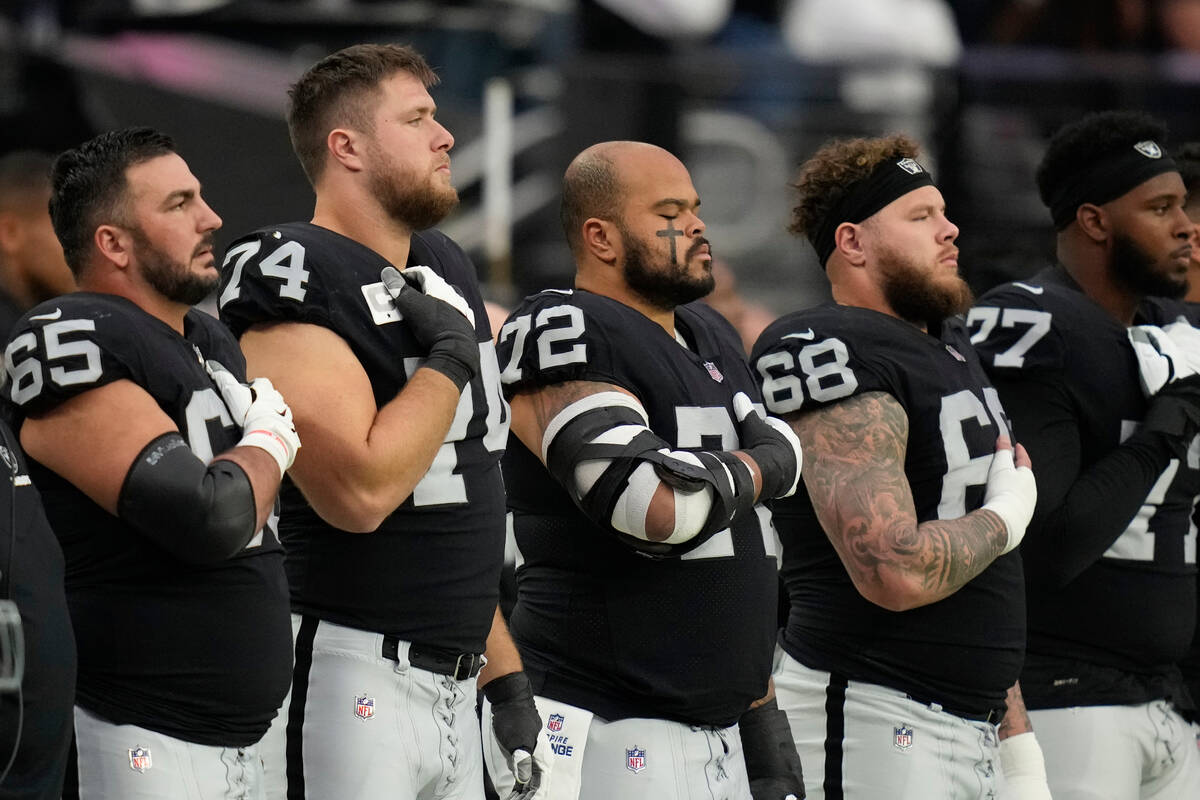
(199,653)
(1069,377)
(600,626)
(430,574)
(965,651)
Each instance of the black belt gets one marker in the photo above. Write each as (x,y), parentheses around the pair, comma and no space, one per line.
(991,716)
(459,666)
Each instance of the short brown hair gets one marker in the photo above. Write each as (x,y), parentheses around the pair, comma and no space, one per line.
(826,177)
(590,188)
(336,92)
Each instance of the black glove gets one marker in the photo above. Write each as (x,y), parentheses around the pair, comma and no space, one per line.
(773,446)
(772,763)
(516,723)
(436,325)
(1175,408)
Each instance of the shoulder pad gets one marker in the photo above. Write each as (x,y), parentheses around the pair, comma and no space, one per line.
(1013,327)
(812,358)
(550,339)
(76,343)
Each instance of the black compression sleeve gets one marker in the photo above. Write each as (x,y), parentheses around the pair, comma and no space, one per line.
(1080,512)
(199,514)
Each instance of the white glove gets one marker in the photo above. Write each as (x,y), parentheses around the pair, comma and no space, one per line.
(1011,494)
(1187,338)
(1162,356)
(743,406)
(262,414)
(435,285)
(1024,768)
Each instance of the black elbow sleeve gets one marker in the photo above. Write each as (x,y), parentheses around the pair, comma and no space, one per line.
(200,514)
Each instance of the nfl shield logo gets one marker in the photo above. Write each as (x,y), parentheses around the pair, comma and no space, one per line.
(1149,149)
(902,737)
(713,372)
(555,722)
(364,707)
(635,759)
(139,758)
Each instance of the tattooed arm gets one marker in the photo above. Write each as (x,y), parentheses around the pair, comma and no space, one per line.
(854,472)
(664,513)
(1016,718)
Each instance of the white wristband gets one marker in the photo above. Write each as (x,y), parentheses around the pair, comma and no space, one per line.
(1024,767)
(273,444)
(1011,495)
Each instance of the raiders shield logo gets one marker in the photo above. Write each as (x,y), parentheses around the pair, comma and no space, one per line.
(1149,149)
(909,166)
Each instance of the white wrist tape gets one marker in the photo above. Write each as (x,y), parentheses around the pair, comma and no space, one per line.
(1012,495)
(271,442)
(1024,767)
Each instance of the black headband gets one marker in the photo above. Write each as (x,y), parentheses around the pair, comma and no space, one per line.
(1108,178)
(891,179)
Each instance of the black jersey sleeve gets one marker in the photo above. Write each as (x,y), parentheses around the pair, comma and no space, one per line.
(1022,337)
(552,339)
(268,275)
(68,346)
(809,360)
(1079,514)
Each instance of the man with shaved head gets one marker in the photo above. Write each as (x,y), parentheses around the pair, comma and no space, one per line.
(636,472)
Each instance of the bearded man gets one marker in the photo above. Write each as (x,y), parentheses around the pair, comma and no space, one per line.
(1111,553)
(637,470)
(394,522)
(906,628)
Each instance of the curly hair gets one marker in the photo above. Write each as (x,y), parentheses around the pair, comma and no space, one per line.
(1077,145)
(826,177)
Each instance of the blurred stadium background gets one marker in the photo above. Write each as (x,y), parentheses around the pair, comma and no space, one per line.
(742,90)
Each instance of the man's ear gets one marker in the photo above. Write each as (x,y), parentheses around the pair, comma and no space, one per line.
(345,147)
(848,241)
(602,240)
(114,244)
(1094,221)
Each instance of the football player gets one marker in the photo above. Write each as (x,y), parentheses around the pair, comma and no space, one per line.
(636,473)
(1110,559)
(904,640)
(159,470)
(394,516)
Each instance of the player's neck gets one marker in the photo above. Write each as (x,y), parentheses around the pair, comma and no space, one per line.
(169,312)
(862,294)
(1096,281)
(365,223)
(664,318)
